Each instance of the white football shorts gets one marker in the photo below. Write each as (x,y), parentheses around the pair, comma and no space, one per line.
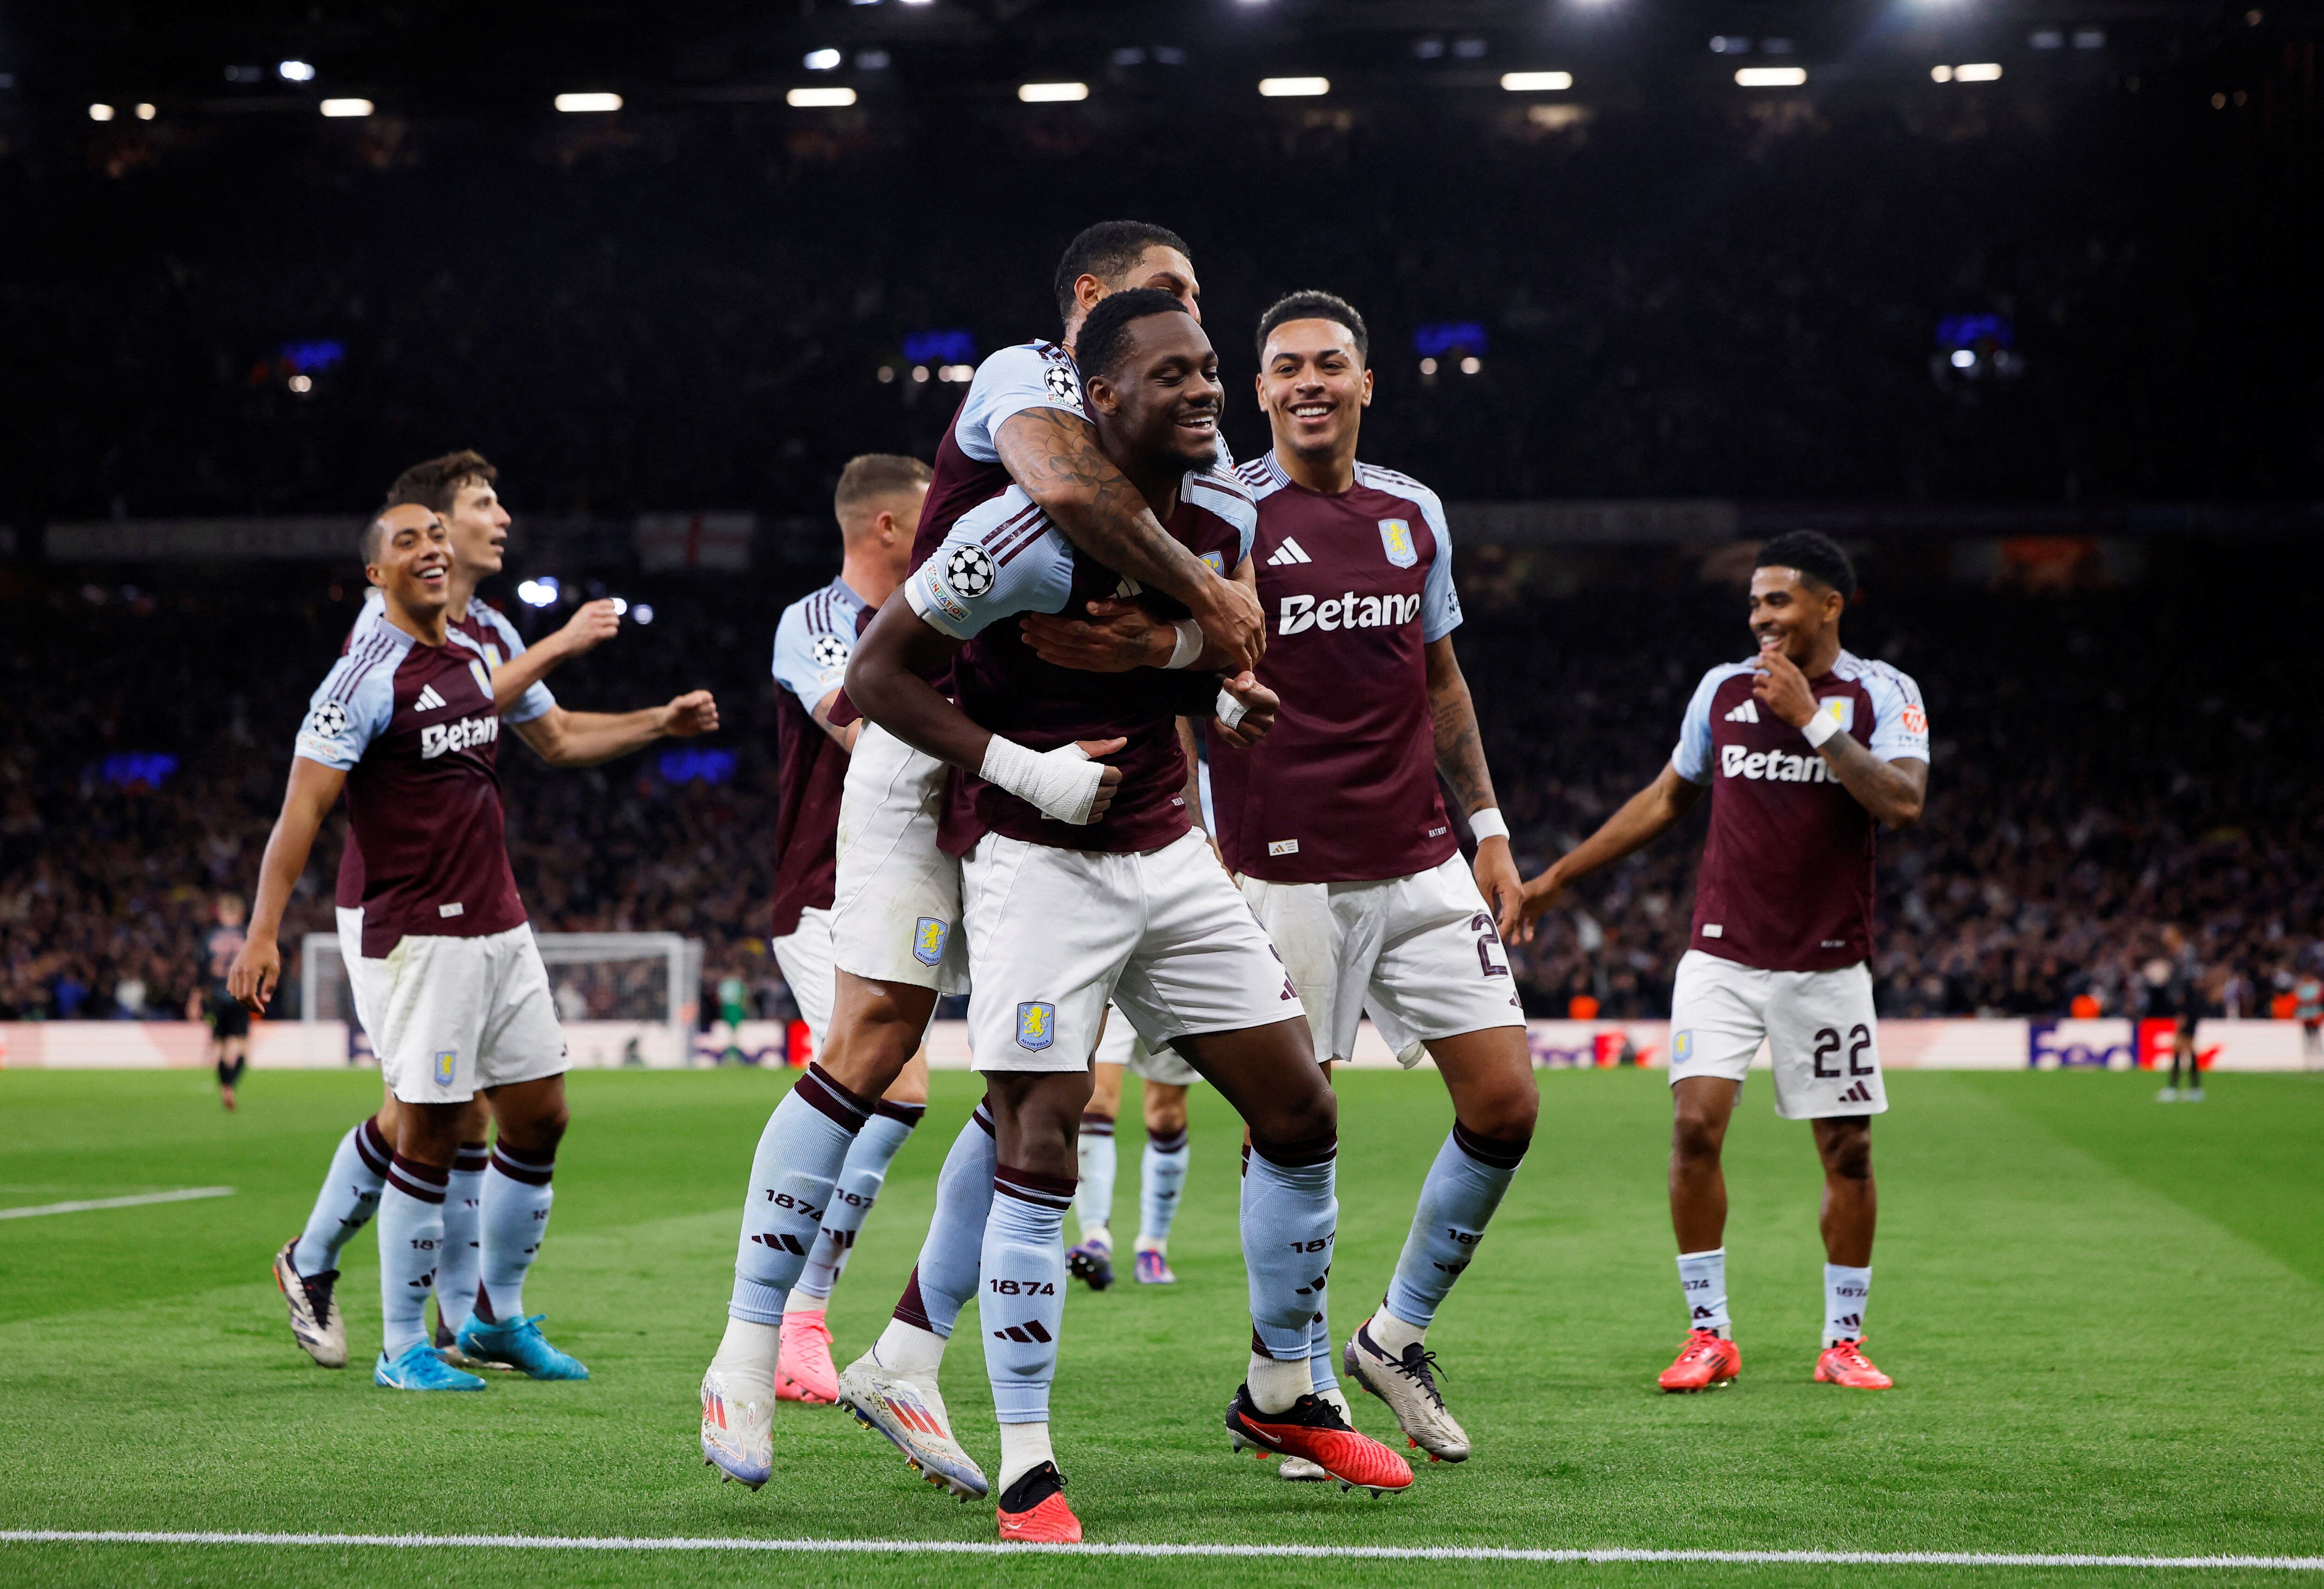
(805,957)
(1054,934)
(460,1014)
(1818,1026)
(895,912)
(364,976)
(1420,952)
(1122,1046)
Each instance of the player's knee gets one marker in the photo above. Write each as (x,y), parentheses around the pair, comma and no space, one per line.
(1290,1124)
(1695,1138)
(1165,1116)
(1848,1156)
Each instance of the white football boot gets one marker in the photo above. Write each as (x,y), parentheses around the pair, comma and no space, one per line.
(738,1428)
(1408,1386)
(909,1410)
(315,1322)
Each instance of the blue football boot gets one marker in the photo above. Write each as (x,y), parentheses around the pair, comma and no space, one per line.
(520,1345)
(420,1368)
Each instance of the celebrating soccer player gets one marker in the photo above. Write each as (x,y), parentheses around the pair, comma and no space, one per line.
(1084,876)
(460,488)
(1811,749)
(878,505)
(1336,829)
(896,915)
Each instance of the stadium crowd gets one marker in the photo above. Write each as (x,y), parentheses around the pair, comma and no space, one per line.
(2107,761)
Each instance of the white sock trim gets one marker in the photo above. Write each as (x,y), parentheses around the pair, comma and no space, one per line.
(1023,1448)
(1392,1334)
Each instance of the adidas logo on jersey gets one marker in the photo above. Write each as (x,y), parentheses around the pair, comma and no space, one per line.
(1749,712)
(1350,610)
(429,700)
(467,733)
(1289,553)
(1774,766)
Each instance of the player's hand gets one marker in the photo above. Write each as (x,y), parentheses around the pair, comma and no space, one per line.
(1109,780)
(1260,704)
(595,623)
(1535,901)
(1116,637)
(1234,620)
(1783,685)
(1497,880)
(257,967)
(690,713)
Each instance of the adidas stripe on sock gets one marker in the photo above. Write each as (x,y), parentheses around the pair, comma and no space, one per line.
(458,1265)
(1289,1217)
(861,1175)
(516,1200)
(1022,1304)
(793,1173)
(348,1199)
(410,1235)
(1457,1200)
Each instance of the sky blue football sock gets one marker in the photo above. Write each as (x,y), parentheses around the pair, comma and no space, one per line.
(1094,1201)
(1022,1305)
(462,1259)
(348,1199)
(1161,1176)
(515,1220)
(410,1235)
(1289,1220)
(798,1163)
(1463,1187)
(861,1176)
(945,1278)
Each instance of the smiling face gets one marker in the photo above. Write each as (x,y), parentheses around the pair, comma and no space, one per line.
(411,559)
(1313,386)
(1791,614)
(1160,267)
(478,525)
(1158,403)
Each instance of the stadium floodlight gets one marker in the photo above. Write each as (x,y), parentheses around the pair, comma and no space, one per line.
(101,113)
(643,612)
(1978,71)
(1771,77)
(1963,358)
(583,104)
(1294,88)
(145,112)
(621,605)
(960,374)
(1941,74)
(295,71)
(1536,82)
(1052,93)
(300,384)
(819,98)
(1472,365)
(539,592)
(822,61)
(339,108)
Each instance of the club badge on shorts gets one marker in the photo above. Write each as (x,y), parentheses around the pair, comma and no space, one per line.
(1396,539)
(928,936)
(1036,1025)
(447,1060)
(1682,1047)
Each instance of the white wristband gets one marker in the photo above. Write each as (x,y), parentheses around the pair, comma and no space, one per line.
(1819,728)
(1189,646)
(1060,783)
(1230,711)
(1488,824)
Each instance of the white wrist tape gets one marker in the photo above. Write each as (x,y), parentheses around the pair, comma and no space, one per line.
(1820,727)
(1230,711)
(1060,783)
(1189,647)
(1488,824)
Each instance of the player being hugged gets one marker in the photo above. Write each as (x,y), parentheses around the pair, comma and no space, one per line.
(1085,879)
(1811,749)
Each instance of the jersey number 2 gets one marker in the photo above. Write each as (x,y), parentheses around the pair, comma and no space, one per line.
(1859,1038)
(1490,953)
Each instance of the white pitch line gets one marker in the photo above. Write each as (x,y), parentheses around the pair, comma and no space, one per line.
(1943,1559)
(185,1195)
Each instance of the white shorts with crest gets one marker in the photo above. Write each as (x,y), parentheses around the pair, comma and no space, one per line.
(456,1014)
(895,910)
(1819,1027)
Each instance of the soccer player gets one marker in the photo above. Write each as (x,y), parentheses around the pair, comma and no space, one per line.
(229,1021)
(1162,1168)
(896,896)
(878,504)
(2174,993)
(1084,878)
(1811,749)
(462,489)
(1336,827)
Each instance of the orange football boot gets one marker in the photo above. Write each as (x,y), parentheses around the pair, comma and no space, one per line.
(1846,1364)
(1313,1428)
(1708,1359)
(1033,1510)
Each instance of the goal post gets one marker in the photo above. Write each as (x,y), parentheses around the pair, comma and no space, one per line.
(624,998)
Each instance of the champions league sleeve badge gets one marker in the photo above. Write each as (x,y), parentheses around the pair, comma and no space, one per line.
(829,652)
(1396,539)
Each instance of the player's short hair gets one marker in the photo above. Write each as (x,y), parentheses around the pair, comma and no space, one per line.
(436,483)
(369,539)
(1107,251)
(877,474)
(1105,335)
(1817,557)
(1312,305)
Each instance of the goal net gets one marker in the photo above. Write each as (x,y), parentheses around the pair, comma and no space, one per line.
(624,998)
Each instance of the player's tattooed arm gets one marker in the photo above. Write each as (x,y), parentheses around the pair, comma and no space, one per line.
(1893,792)
(1054,456)
(1461,758)
(1644,818)
(1117,636)
(258,966)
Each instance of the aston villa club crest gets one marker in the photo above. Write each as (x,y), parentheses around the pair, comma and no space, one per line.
(447,1061)
(1840,709)
(1036,1025)
(928,935)
(1396,539)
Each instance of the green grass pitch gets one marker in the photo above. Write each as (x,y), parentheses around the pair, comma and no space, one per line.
(2105,1320)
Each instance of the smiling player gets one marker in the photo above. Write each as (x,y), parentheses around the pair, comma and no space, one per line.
(1811,749)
